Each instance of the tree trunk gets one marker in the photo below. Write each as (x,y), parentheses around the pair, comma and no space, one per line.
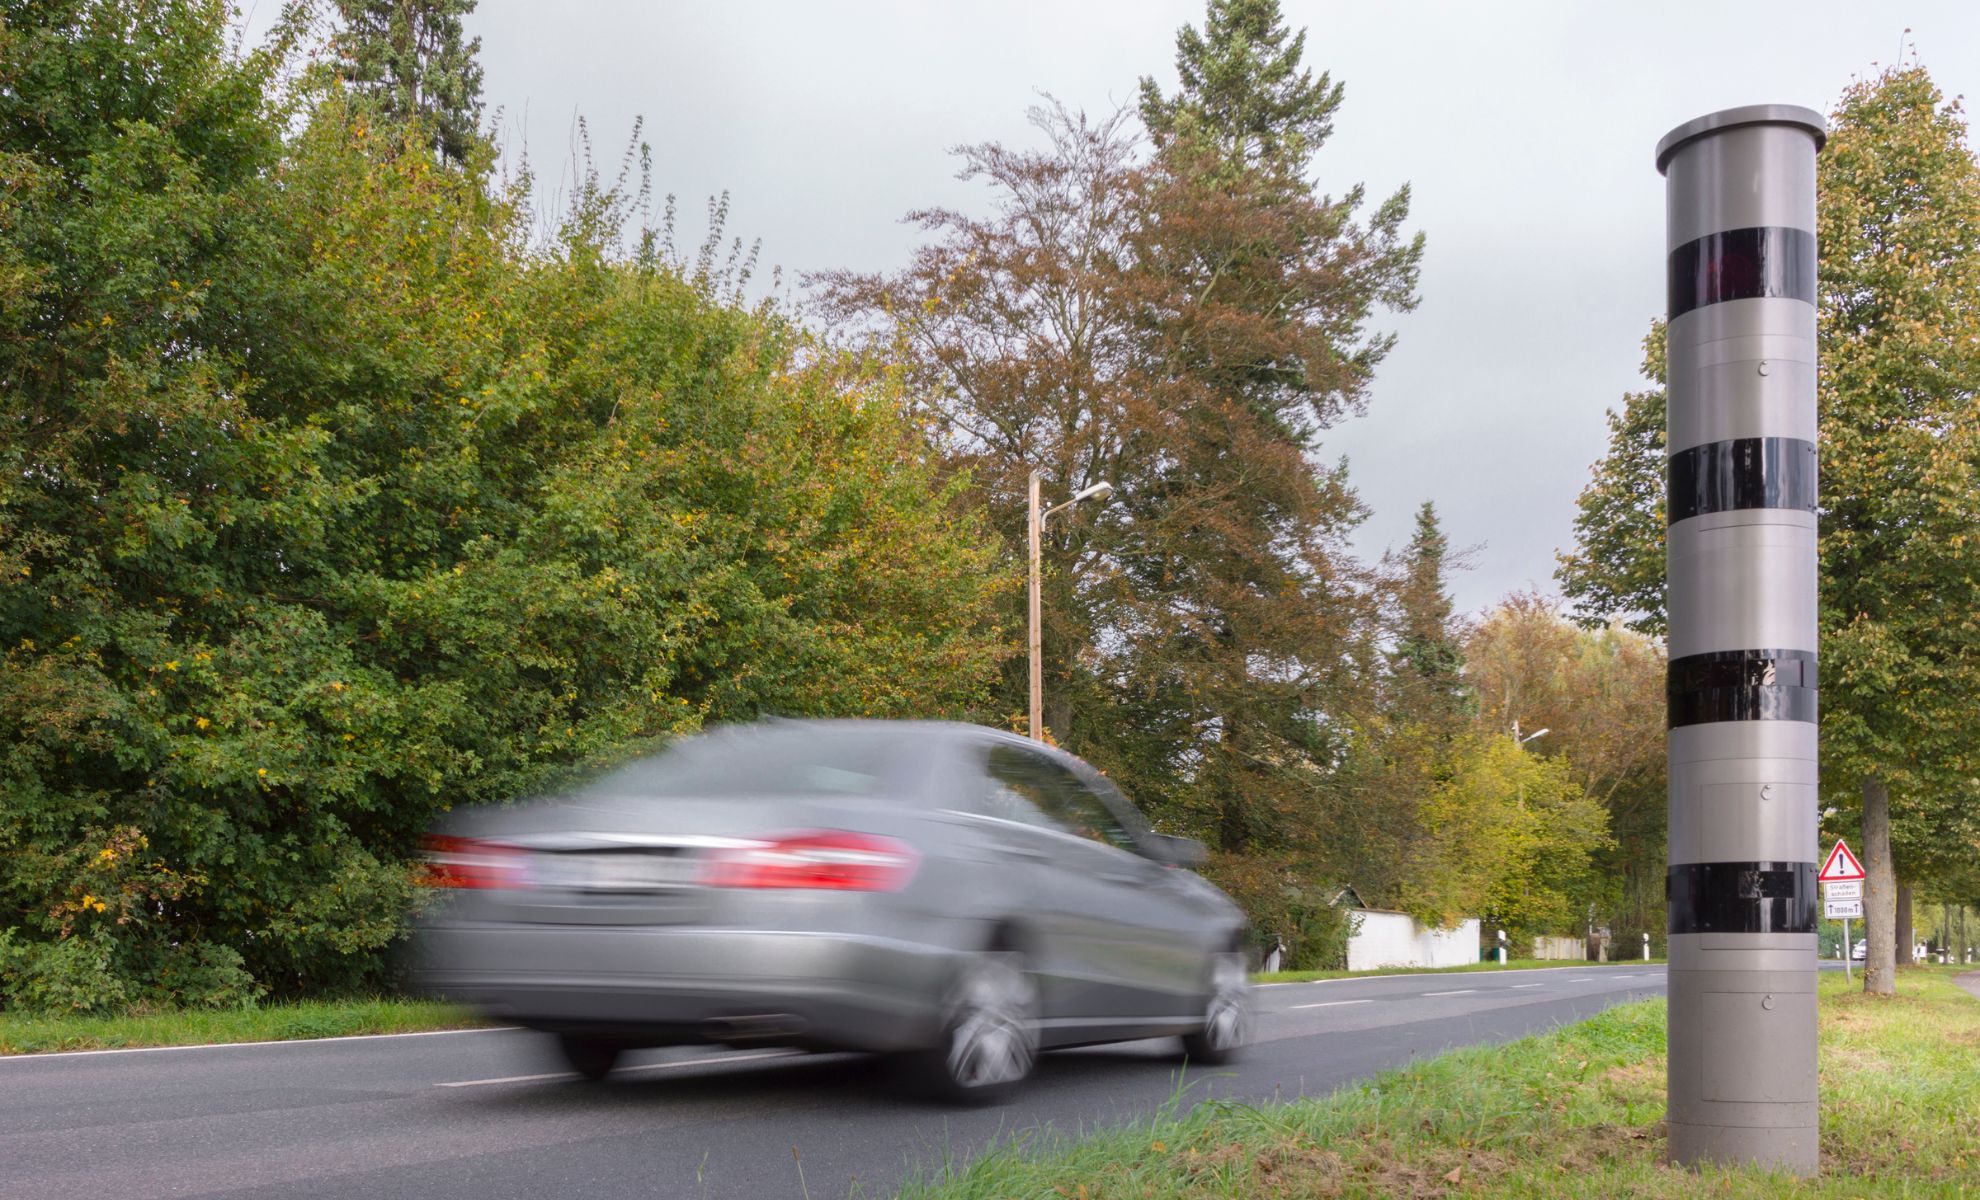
(1906,935)
(1879,891)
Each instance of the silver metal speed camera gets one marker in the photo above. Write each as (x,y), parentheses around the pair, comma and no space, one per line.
(1740,195)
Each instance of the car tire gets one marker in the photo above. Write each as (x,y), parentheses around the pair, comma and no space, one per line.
(1226,1013)
(590,1057)
(989,1040)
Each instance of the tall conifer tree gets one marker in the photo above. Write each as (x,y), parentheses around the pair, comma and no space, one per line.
(1253,295)
(413,58)
(1427,660)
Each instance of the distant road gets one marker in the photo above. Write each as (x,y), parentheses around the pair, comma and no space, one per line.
(488,1114)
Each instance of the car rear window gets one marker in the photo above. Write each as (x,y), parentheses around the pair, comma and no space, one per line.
(776,761)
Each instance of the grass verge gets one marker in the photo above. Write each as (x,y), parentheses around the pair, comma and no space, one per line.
(1576,1112)
(30,1033)
(1516,964)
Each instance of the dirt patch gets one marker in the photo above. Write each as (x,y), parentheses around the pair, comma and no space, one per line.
(1634,1079)
(1845,1058)
(1446,1171)
(1299,1169)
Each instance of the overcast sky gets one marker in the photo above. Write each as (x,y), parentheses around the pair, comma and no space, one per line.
(1524,131)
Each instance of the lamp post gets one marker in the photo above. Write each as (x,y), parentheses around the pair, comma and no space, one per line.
(1099,491)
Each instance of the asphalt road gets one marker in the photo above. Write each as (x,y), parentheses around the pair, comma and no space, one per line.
(488,1114)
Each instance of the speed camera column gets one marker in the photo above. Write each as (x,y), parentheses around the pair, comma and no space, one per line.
(1740,197)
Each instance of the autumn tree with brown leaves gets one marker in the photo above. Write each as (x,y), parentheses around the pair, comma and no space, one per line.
(1181,316)
(1599,694)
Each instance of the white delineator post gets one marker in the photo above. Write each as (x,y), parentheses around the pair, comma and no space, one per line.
(1740,197)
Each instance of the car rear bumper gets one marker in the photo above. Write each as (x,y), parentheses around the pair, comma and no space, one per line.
(672,985)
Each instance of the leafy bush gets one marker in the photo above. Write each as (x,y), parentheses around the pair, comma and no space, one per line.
(1286,909)
(328,503)
(73,975)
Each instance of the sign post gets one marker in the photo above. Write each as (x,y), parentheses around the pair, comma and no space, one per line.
(1842,894)
(1741,597)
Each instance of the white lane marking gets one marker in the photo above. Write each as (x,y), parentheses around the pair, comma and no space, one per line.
(1517,986)
(1413,975)
(1459,992)
(349,1037)
(1619,976)
(666,1066)
(512,1079)
(1330,1004)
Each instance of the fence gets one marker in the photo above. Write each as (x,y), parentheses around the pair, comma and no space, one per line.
(1560,948)
(1392,939)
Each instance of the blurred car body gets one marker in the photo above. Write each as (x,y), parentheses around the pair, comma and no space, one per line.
(954,894)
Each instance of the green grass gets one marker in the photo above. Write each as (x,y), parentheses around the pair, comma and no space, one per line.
(1517,964)
(31,1033)
(1576,1112)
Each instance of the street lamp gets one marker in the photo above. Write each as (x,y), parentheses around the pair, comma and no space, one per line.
(1099,491)
(1521,741)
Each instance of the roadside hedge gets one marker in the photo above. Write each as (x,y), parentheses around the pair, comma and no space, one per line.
(332,497)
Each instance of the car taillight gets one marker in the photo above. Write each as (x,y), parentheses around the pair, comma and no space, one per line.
(459,862)
(827,859)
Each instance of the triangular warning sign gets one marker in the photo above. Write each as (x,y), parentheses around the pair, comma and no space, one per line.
(1841,866)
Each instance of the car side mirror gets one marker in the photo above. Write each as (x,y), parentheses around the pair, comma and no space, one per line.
(1174,851)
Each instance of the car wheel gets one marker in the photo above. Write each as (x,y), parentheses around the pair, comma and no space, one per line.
(989,1033)
(1226,1015)
(590,1057)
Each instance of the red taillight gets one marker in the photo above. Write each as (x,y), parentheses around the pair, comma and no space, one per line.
(833,860)
(459,862)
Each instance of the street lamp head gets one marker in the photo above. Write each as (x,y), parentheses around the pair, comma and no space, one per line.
(1099,491)
(1529,737)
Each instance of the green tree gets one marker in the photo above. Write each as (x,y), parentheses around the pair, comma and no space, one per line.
(1599,695)
(1423,704)
(326,506)
(1252,298)
(1243,89)
(1426,662)
(1185,326)
(1510,837)
(1899,231)
(412,59)
(1616,569)
(1900,285)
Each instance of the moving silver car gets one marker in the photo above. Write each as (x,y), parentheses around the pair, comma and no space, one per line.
(954,895)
